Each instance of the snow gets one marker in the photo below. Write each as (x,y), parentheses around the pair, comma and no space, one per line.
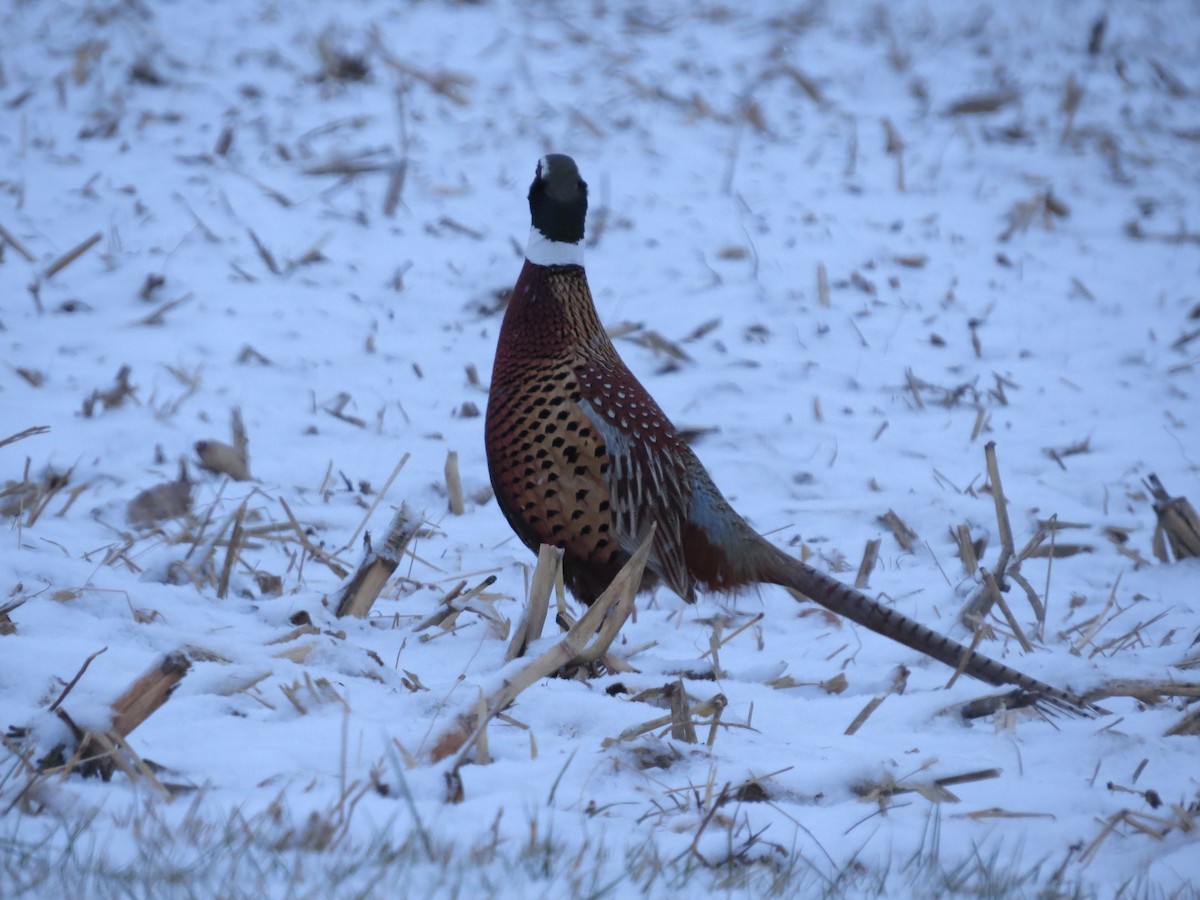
(718,186)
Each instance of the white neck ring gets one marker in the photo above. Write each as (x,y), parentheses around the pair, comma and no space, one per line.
(542,251)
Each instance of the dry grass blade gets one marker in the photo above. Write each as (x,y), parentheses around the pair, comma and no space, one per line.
(1096,35)
(1035,602)
(71,255)
(1119,537)
(237,431)
(1188,725)
(693,104)
(867,566)
(905,536)
(7,237)
(1177,522)
(624,589)
(1185,338)
(316,552)
(1072,97)
(805,82)
(74,681)
(1024,213)
(682,727)
(122,751)
(295,634)
(1156,827)
(895,147)
(725,639)
(264,253)
(33,497)
(934,791)
(997,598)
(977,608)
(976,104)
(337,408)
(1001,502)
(7,625)
(652,340)
(711,707)
(395,187)
(483,755)
(1133,636)
(1099,621)
(534,618)
(313,691)
(103,752)
(718,704)
(232,551)
(364,588)
(444,82)
(378,499)
(1145,689)
(459,737)
(454,489)
(899,683)
(701,330)
(1058,454)
(976,639)
(361,165)
(112,398)
(968,551)
(149,692)
(982,420)
(157,316)
(1182,236)
(914,385)
(1169,79)
(27,433)
(997,812)
(452,604)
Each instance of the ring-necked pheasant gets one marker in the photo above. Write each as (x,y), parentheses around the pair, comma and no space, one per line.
(581,456)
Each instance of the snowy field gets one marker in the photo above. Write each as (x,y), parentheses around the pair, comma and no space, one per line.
(849,244)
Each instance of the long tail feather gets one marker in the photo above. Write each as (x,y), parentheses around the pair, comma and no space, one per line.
(858,607)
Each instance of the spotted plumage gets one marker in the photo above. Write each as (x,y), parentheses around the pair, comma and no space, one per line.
(558,429)
(581,457)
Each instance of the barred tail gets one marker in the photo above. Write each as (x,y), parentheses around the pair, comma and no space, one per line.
(857,607)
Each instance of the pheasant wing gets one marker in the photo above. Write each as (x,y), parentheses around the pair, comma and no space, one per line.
(643,482)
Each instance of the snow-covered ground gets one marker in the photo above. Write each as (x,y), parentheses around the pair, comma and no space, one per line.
(850,242)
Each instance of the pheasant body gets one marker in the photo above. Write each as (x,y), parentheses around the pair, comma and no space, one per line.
(581,457)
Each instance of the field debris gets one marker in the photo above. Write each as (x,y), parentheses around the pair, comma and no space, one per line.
(1177,526)
(113,397)
(228,459)
(576,650)
(168,500)
(106,751)
(378,565)
(843,246)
